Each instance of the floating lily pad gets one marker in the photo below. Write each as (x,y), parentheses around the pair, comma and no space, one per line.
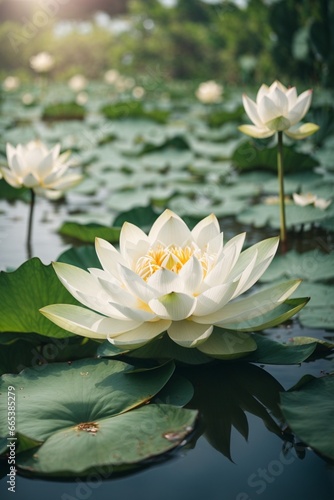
(228,345)
(24,291)
(309,412)
(89,414)
(133,109)
(142,217)
(7,192)
(262,215)
(88,232)
(64,111)
(319,313)
(161,348)
(83,257)
(248,156)
(274,353)
(314,265)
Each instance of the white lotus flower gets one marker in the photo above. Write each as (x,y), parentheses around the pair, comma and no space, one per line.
(11,83)
(42,62)
(81,98)
(111,76)
(40,169)
(304,199)
(278,108)
(310,199)
(173,279)
(77,83)
(209,92)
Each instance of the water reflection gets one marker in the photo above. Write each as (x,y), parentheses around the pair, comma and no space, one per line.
(225,392)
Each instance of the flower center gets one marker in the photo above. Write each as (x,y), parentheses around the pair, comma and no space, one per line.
(172,258)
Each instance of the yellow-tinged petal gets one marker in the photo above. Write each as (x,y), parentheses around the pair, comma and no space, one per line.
(250,307)
(141,335)
(189,334)
(258,133)
(303,131)
(84,322)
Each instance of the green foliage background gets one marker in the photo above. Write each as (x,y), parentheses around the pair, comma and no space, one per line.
(264,40)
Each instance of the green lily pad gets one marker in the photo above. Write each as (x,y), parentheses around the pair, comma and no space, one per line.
(248,156)
(64,111)
(96,408)
(124,439)
(83,257)
(319,313)
(161,348)
(262,215)
(7,192)
(274,353)
(314,265)
(63,395)
(133,109)
(88,232)
(228,345)
(24,291)
(309,412)
(142,217)
(218,118)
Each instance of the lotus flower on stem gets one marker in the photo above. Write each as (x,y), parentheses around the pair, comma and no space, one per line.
(41,170)
(175,280)
(278,109)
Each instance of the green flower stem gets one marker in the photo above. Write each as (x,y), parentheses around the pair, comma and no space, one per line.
(31,213)
(281,188)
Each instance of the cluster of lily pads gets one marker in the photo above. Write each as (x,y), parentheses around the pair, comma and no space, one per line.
(169,296)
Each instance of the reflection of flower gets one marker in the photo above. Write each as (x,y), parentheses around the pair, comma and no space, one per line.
(209,92)
(77,83)
(310,199)
(173,279)
(278,109)
(11,83)
(42,170)
(42,62)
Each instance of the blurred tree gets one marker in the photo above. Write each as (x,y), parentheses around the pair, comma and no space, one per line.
(304,46)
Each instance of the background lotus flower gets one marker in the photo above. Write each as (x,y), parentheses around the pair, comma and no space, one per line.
(173,279)
(77,83)
(11,83)
(278,108)
(209,92)
(111,76)
(41,170)
(36,167)
(310,199)
(42,62)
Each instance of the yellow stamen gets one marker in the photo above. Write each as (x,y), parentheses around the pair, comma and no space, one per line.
(172,258)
